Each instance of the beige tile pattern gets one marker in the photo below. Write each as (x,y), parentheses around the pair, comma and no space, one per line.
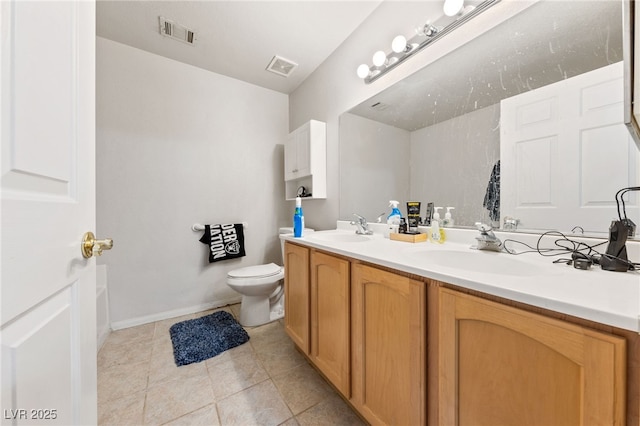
(302,387)
(170,400)
(257,405)
(263,382)
(331,411)
(122,411)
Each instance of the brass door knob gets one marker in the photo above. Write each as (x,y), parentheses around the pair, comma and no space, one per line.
(92,247)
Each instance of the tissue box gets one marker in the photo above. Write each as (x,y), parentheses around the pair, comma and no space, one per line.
(409,238)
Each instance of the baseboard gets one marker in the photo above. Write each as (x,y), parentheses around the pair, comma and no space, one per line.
(118,325)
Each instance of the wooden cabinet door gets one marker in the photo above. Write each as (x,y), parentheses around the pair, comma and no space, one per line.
(296,295)
(389,347)
(330,319)
(499,365)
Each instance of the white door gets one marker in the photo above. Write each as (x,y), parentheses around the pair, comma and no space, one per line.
(565,152)
(48,294)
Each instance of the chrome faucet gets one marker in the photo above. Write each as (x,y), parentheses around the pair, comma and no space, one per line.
(511,223)
(487,239)
(362,225)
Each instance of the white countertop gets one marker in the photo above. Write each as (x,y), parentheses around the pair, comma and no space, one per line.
(611,298)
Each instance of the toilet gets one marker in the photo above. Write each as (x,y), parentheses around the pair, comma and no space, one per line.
(262,289)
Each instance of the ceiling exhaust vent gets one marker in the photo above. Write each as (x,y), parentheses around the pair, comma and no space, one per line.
(281,66)
(176,31)
(380,106)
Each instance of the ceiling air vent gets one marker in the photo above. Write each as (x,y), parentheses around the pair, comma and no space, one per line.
(176,31)
(281,66)
(380,106)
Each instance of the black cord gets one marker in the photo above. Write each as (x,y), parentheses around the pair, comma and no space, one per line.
(618,203)
(576,246)
(567,246)
(624,208)
(620,199)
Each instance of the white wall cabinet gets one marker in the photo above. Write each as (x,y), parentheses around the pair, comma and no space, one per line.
(305,160)
(297,159)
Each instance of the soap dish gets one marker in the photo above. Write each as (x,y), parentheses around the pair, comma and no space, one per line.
(409,238)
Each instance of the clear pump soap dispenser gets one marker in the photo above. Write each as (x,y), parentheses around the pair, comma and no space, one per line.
(435,234)
(448,220)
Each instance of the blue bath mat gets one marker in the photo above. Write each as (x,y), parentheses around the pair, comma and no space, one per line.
(205,337)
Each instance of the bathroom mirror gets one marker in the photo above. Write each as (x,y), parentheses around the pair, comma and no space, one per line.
(631,15)
(435,136)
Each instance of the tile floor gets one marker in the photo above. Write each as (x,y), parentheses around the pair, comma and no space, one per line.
(263,382)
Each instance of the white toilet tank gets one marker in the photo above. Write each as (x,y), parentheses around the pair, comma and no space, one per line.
(289,230)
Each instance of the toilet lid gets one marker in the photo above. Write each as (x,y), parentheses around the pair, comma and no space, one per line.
(256,271)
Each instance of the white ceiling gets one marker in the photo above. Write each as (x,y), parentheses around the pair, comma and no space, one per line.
(238,38)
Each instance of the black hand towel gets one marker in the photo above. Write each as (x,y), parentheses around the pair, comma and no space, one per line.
(492,196)
(225,241)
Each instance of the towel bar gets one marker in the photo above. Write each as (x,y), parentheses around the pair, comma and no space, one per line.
(199,227)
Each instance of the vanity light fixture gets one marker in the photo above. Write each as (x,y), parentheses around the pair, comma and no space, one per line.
(455,14)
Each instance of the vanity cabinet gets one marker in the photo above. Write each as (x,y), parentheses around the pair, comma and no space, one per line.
(297,295)
(305,160)
(317,311)
(389,346)
(498,364)
(330,319)
(491,361)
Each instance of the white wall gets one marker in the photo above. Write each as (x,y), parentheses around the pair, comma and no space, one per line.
(334,87)
(378,156)
(178,145)
(473,146)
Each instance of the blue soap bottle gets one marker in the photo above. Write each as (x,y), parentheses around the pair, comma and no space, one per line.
(298,219)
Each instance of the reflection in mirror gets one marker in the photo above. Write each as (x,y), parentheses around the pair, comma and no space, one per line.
(436,135)
(631,38)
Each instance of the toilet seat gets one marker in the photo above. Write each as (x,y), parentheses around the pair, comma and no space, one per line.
(258,274)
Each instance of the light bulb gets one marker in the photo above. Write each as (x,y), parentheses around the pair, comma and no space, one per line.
(452,7)
(379,58)
(399,44)
(363,71)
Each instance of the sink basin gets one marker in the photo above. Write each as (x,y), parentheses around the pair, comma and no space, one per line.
(338,236)
(476,261)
